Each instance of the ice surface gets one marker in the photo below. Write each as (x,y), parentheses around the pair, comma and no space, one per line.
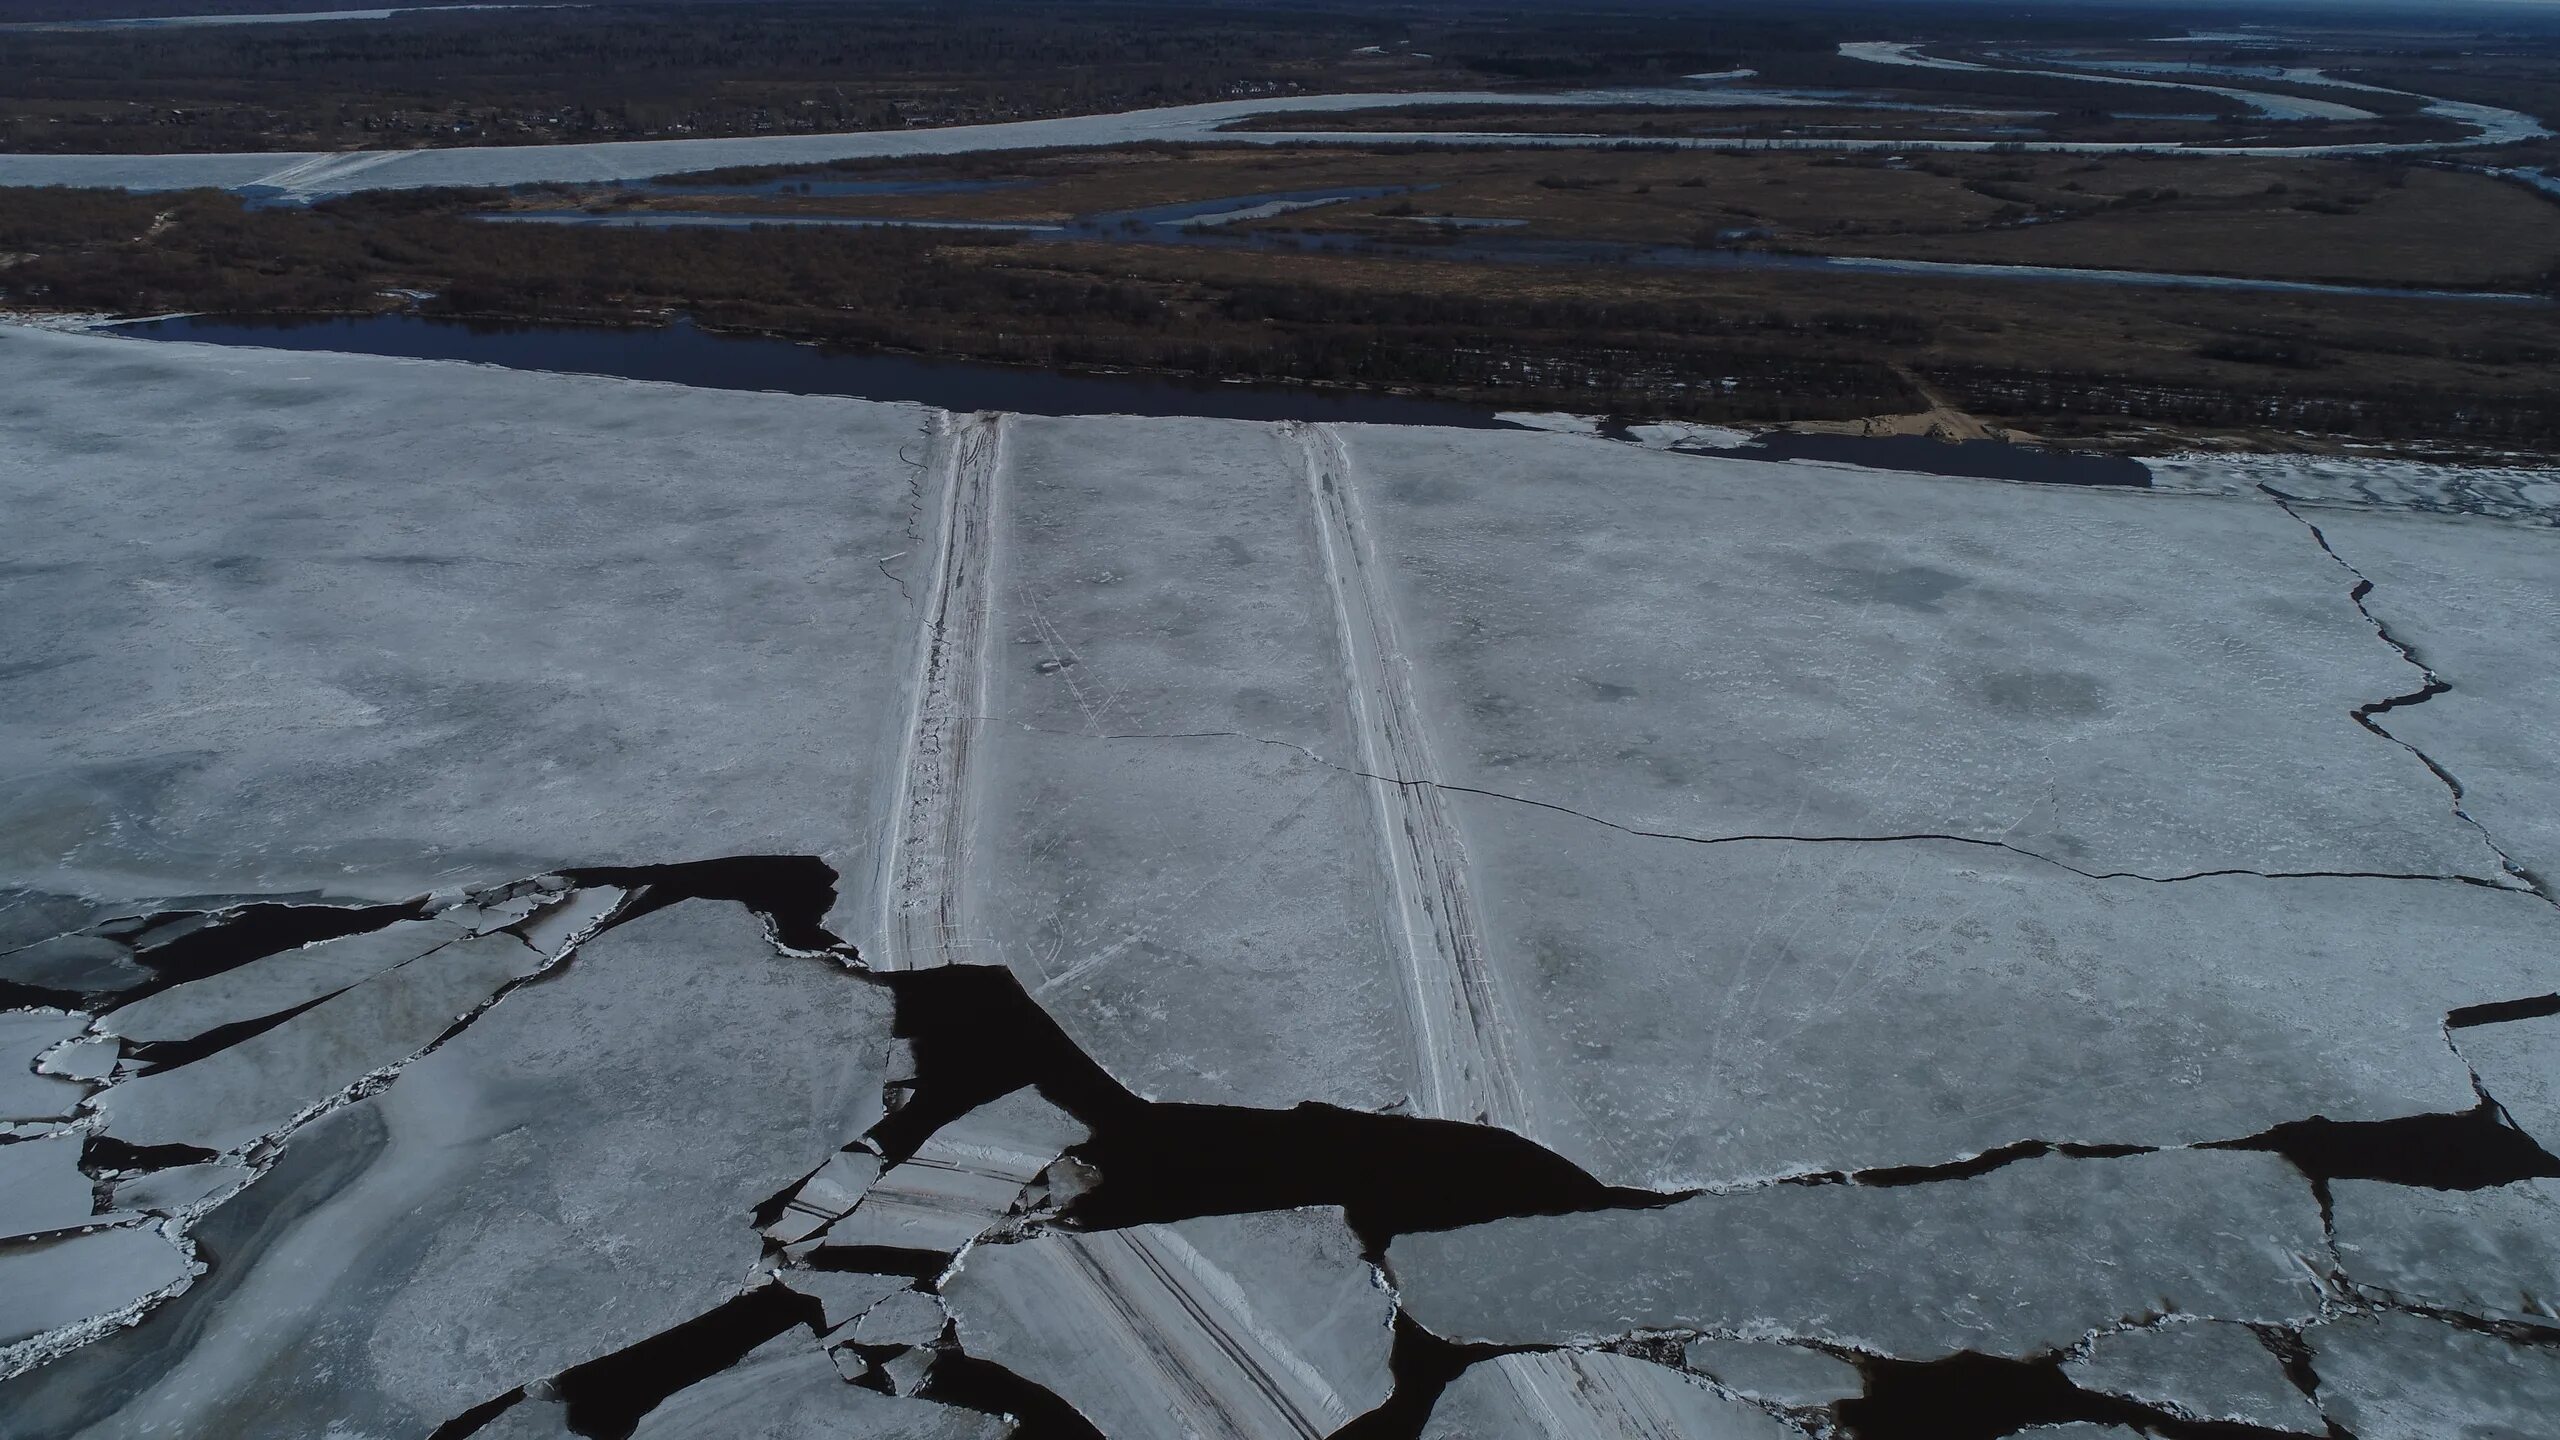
(164,1192)
(278,983)
(2064,1245)
(1788,1375)
(2204,1371)
(1251,1327)
(2120,680)
(1202,914)
(529,1420)
(2399,1377)
(1703,1015)
(1576,1395)
(2519,1067)
(843,1294)
(378,627)
(25,1035)
(2527,494)
(825,1196)
(961,1180)
(47,1284)
(2480,604)
(904,1317)
(236,1096)
(787,1389)
(573,1173)
(41,1187)
(90,1057)
(80,964)
(2492,1252)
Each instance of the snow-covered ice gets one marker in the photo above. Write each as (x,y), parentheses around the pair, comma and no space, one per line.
(2492,1252)
(2207,1371)
(2479,605)
(379,627)
(1574,1395)
(1253,1327)
(1696,1015)
(1713,647)
(2400,1377)
(2069,1245)
(1819,838)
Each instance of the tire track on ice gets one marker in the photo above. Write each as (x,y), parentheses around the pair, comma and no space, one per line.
(1468,1066)
(927,848)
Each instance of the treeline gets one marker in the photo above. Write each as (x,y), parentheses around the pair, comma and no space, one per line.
(1706,353)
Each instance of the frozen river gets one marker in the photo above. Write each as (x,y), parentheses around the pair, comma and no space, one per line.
(310,175)
(548,904)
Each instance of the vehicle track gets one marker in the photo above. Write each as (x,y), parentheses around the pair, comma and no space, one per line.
(924,859)
(1467,1067)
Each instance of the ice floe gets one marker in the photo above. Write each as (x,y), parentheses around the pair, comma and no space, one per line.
(1255,1327)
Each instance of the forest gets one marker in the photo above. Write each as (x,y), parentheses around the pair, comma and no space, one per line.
(2063,360)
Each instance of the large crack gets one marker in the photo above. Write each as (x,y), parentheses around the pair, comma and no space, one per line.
(2433,685)
(1773,838)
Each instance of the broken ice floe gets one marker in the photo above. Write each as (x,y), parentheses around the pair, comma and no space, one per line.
(278,983)
(2068,1245)
(251,1090)
(42,1189)
(2518,1062)
(2204,1371)
(787,1389)
(1586,1395)
(1252,1327)
(572,1173)
(2493,1252)
(2403,1377)
(1713,1015)
(1786,1375)
(963,1179)
(2477,605)
(824,1197)
(50,1284)
(902,1318)
(182,1187)
(25,1037)
(842,1295)
(2529,494)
